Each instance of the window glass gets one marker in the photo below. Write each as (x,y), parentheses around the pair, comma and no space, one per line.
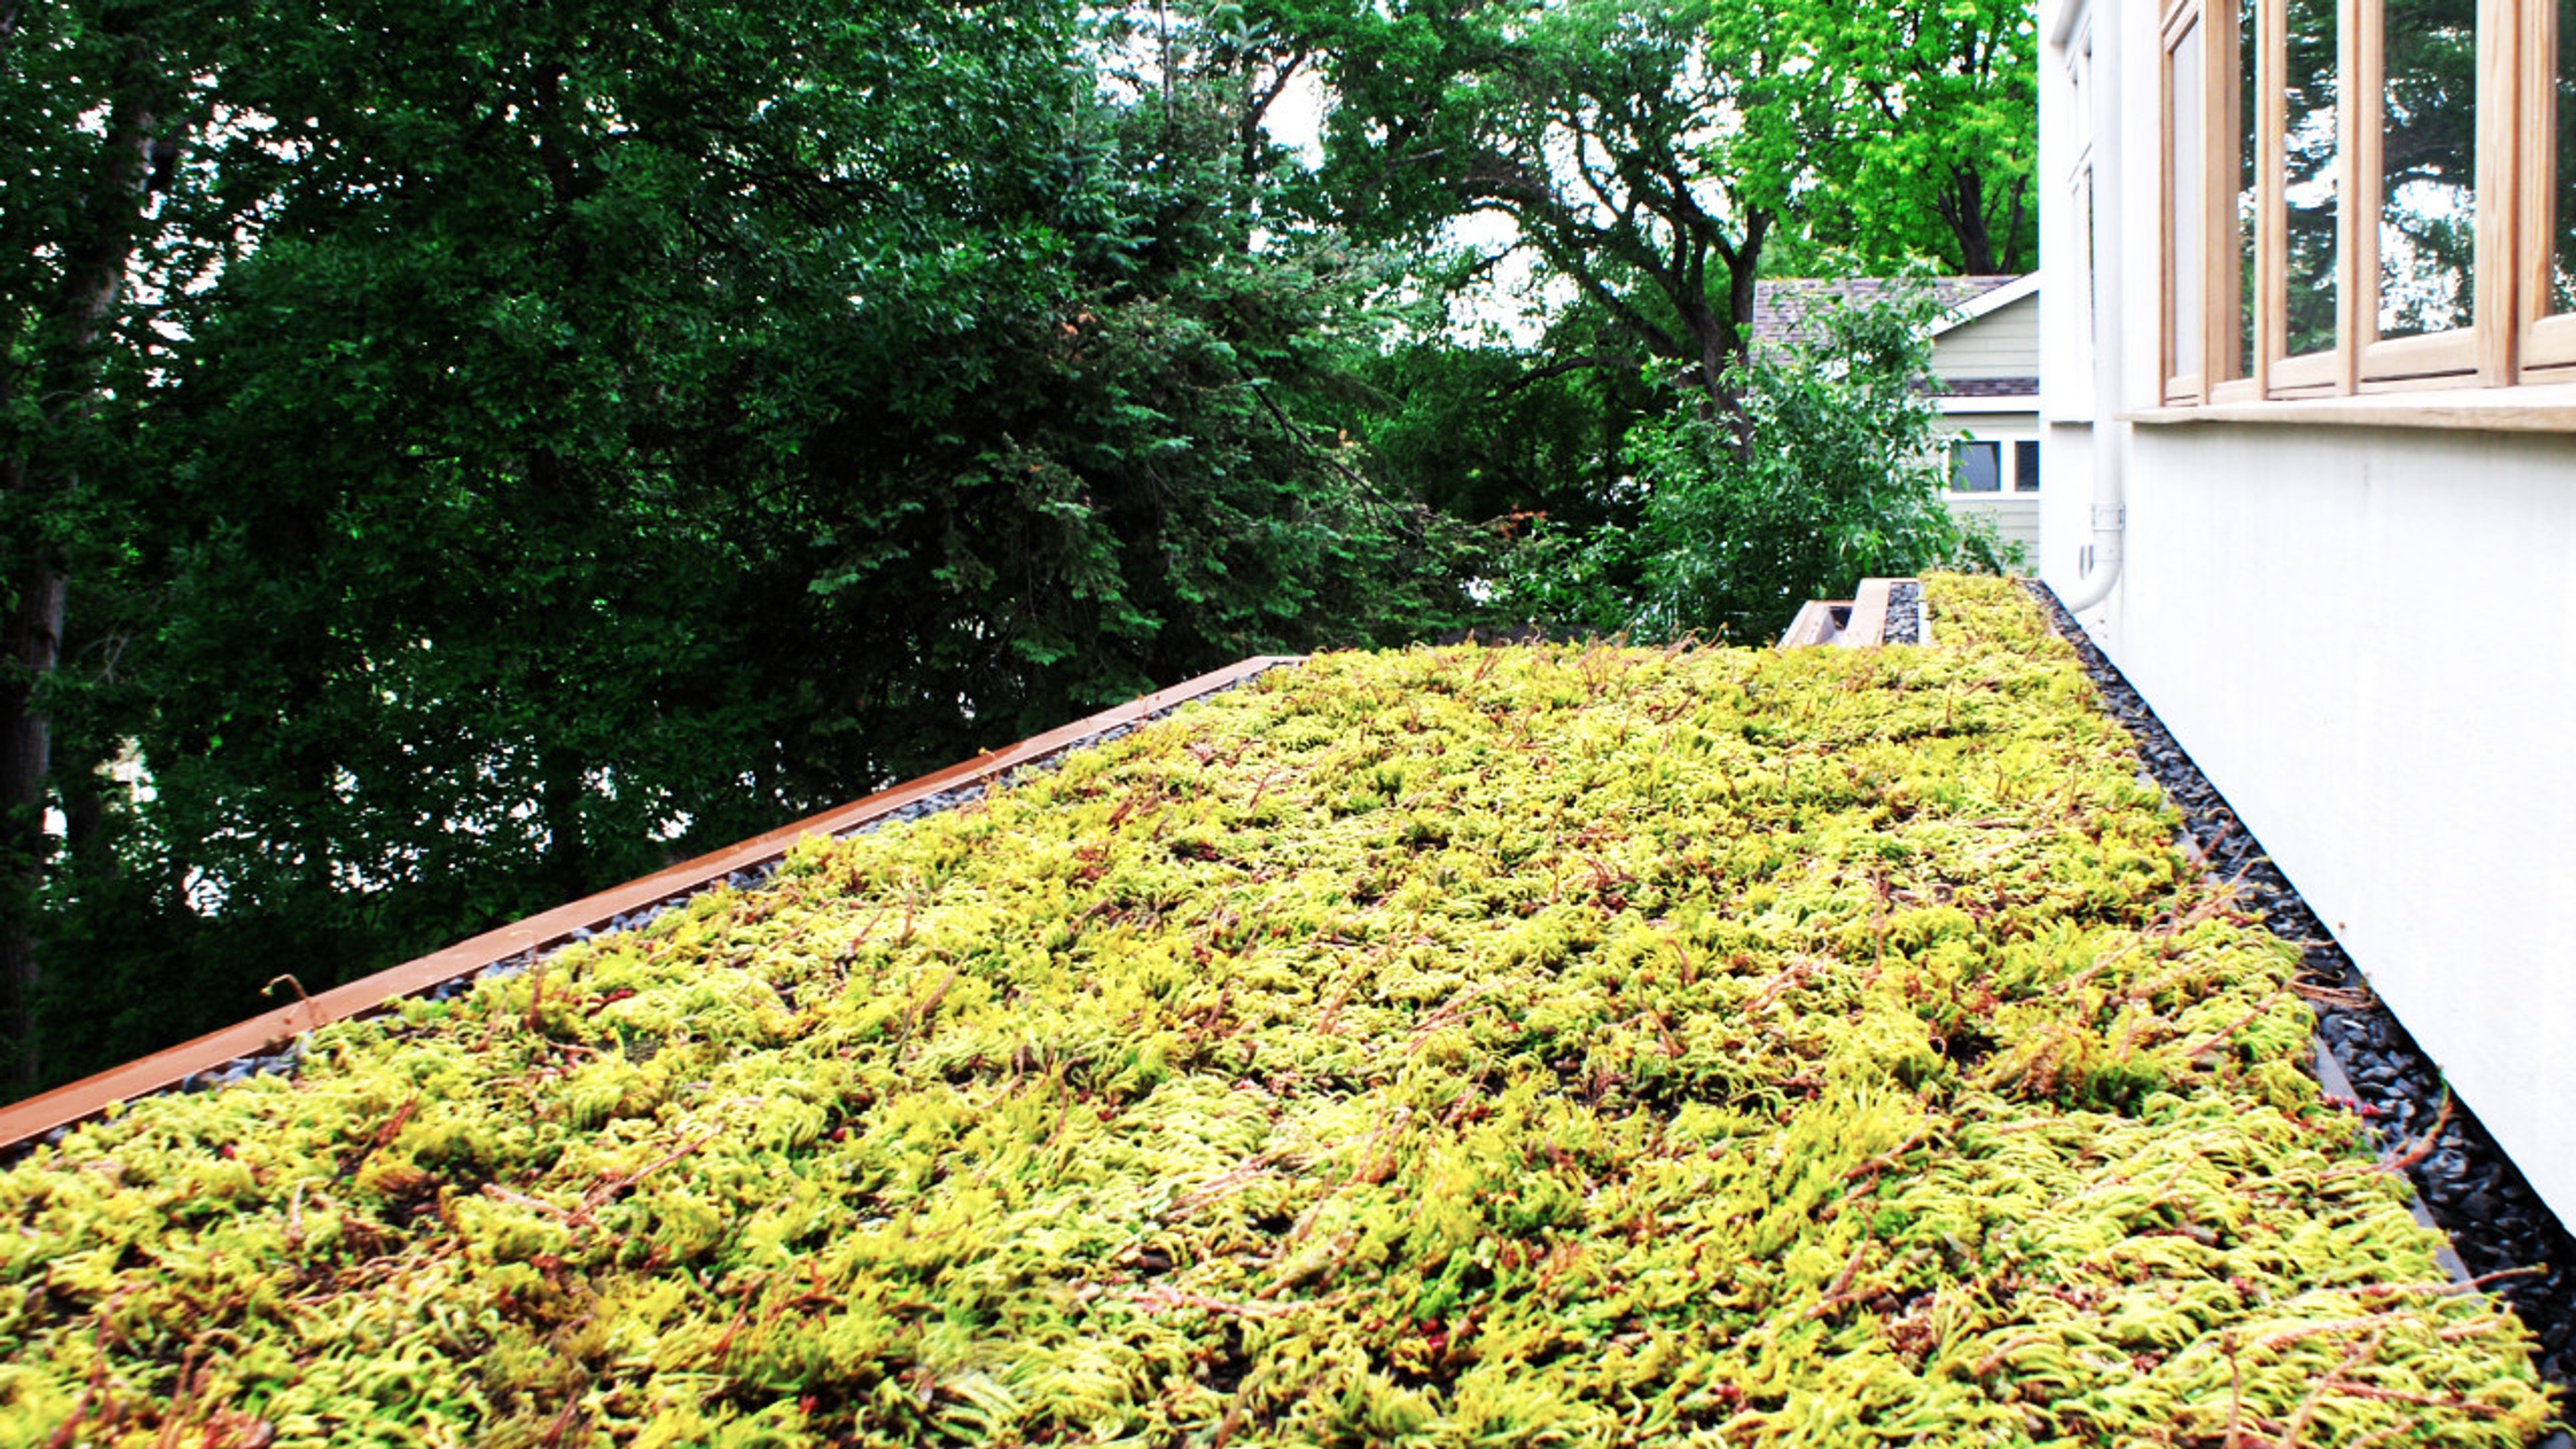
(2313,174)
(2182,250)
(2428,167)
(2562,261)
(2249,204)
(2026,467)
(1976,467)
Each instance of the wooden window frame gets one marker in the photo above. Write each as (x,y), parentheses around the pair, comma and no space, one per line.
(2329,370)
(2509,339)
(2181,379)
(2436,359)
(2222,39)
(2547,340)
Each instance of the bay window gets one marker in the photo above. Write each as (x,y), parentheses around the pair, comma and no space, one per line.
(2367,195)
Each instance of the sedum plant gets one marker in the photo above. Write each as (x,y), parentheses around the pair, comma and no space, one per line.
(1538,1045)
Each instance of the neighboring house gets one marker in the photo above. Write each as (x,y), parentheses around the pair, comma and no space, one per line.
(1985,351)
(2309,400)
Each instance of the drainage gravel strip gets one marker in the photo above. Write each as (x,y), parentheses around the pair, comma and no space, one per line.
(286,1058)
(2471,1189)
(1904,613)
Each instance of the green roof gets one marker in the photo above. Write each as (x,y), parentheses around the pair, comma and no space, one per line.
(1479,1045)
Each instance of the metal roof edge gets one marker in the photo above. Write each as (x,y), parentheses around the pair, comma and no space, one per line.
(92,1095)
(1991,300)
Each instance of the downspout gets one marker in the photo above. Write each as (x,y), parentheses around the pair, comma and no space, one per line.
(2109,438)
(2110,525)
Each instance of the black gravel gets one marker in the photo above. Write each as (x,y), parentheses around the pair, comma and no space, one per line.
(2469,1187)
(291,1054)
(1904,613)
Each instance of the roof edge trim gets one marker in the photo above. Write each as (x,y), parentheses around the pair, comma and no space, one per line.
(2026,285)
(90,1096)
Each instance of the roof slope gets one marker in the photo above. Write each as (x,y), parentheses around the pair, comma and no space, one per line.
(1781,306)
(1437,1047)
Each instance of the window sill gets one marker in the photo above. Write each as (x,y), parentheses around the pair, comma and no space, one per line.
(2541,408)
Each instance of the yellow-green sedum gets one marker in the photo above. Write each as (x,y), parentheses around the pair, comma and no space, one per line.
(1467,1046)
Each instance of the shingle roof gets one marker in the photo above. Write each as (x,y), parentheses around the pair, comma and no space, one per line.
(1989,387)
(1780,306)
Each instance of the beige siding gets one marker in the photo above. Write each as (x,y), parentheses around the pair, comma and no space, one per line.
(2015,516)
(2014,511)
(2003,343)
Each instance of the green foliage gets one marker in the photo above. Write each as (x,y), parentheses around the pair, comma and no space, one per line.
(1495,434)
(1640,150)
(1657,156)
(1834,474)
(493,453)
(1941,169)
(1469,1046)
(566,437)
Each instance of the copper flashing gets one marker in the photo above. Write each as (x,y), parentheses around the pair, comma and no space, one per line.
(270,1030)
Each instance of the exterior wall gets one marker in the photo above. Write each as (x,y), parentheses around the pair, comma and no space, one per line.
(2003,343)
(2014,515)
(2365,636)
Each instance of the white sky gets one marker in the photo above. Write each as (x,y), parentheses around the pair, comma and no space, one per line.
(1514,303)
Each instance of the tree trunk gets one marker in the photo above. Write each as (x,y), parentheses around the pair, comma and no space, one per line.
(560,793)
(30,648)
(1965,211)
(97,249)
(1727,338)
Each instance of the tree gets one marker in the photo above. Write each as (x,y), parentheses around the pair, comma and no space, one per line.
(1503,434)
(1644,149)
(1654,153)
(1839,477)
(98,103)
(1939,166)
(589,434)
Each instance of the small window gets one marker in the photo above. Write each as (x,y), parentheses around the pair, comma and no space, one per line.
(2419,195)
(2427,179)
(2242,278)
(2557,196)
(2185,246)
(1976,467)
(2549,188)
(2026,466)
(2311,189)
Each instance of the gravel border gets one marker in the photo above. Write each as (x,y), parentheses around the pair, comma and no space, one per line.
(1904,613)
(2464,1183)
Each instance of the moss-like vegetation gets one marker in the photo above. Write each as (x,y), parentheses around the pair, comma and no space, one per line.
(1469,1046)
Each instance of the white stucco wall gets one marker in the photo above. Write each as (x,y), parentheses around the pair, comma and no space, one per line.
(2365,636)
(2367,639)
